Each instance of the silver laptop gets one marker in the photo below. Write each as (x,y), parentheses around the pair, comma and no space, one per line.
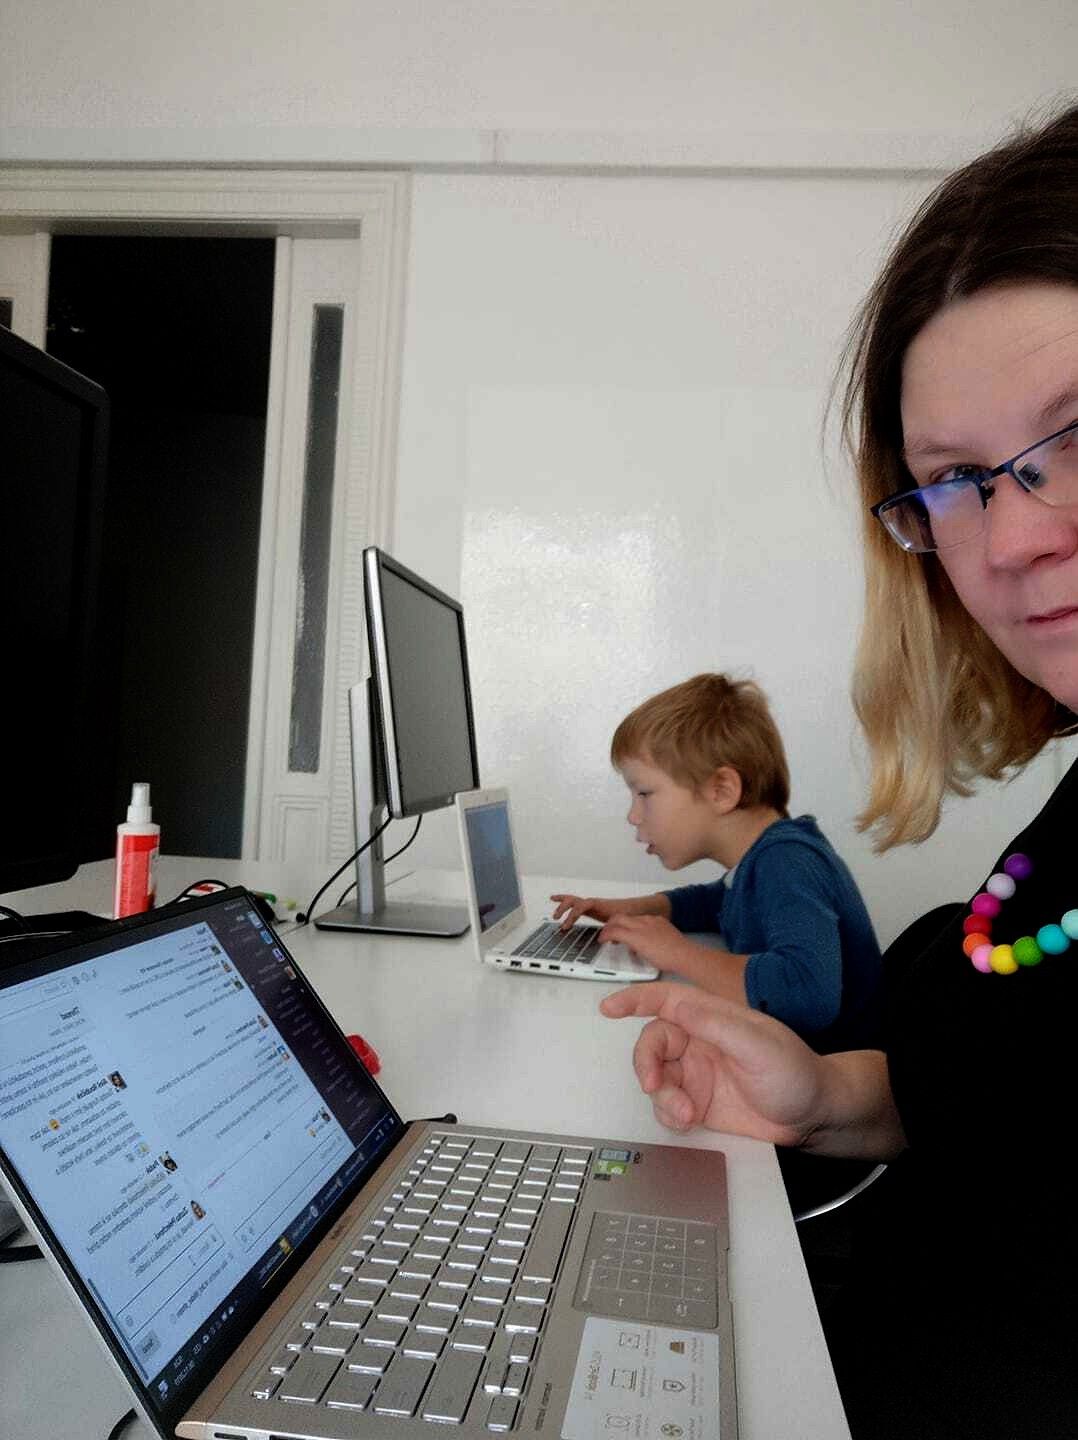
(504,935)
(266,1248)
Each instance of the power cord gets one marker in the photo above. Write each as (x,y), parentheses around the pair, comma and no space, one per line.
(303,916)
(15,916)
(209,880)
(343,896)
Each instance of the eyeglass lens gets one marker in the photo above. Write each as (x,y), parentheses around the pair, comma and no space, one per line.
(936,517)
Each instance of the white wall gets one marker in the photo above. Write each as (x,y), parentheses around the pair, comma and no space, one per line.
(269,79)
(610,448)
(616,362)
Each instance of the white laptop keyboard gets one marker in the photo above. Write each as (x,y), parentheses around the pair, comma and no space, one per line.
(550,942)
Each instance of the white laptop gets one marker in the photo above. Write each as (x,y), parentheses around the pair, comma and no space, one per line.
(267,1249)
(503,933)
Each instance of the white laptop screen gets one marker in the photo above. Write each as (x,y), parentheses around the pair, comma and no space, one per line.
(490,855)
(182,1115)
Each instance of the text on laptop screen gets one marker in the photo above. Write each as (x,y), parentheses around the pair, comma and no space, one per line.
(490,854)
(182,1115)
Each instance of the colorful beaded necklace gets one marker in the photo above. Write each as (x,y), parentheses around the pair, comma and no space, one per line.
(1029,950)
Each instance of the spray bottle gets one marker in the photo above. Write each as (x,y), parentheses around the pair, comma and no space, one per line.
(137,844)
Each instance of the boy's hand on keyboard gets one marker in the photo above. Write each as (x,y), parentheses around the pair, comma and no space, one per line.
(655,939)
(570,908)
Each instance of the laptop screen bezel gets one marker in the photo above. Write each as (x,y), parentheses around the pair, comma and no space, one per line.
(39,958)
(476,800)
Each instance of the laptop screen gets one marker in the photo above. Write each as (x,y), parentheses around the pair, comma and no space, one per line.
(490,855)
(182,1113)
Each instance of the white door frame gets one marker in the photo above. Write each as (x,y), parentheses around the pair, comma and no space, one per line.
(288,204)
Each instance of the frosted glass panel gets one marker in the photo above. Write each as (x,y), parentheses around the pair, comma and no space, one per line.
(308,665)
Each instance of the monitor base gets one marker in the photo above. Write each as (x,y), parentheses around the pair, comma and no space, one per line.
(435,922)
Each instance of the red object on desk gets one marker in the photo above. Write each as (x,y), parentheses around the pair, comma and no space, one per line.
(367,1053)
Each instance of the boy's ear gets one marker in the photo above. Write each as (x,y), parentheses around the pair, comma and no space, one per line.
(724,789)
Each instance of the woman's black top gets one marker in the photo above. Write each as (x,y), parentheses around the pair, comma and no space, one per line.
(963,1317)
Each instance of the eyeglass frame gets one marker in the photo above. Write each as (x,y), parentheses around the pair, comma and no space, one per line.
(981,482)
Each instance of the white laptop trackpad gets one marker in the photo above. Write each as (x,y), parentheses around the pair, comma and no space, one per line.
(634,1380)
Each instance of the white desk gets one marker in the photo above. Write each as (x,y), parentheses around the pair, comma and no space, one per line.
(497,1049)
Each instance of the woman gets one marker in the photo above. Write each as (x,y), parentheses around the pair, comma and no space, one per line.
(964,398)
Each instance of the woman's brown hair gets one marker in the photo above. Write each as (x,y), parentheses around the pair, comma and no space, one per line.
(939,704)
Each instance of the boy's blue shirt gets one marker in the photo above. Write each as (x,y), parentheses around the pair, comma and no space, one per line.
(793,908)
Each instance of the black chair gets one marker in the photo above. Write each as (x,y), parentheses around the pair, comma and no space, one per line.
(822,1191)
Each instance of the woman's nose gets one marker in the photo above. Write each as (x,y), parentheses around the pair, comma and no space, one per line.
(1021,528)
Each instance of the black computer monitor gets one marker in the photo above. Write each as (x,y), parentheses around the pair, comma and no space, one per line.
(53,437)
(413,735)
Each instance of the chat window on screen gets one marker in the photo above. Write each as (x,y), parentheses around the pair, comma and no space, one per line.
(158,1103)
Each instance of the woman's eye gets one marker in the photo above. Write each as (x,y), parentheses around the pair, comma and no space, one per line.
(957,472)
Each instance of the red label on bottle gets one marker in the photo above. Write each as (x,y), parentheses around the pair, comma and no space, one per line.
(136,879)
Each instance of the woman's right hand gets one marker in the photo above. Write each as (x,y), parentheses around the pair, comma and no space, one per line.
(706,1061)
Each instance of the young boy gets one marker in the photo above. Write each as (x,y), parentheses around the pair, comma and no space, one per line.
(707,772)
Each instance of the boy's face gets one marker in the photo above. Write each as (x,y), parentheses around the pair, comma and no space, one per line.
(674,821)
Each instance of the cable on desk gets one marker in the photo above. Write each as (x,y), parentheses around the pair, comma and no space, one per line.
(343,896)
(121,1425)
(209,880)
(303,916)
(14,915)
(32,935)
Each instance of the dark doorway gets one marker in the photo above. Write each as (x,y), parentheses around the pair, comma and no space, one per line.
(177,330)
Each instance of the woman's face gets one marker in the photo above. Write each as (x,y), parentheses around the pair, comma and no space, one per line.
(985,378)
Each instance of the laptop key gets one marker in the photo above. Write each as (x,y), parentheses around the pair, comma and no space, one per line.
(532,1292)
(384,1332)
(502,1413)
(449,1395)
(423,1344)
(525,1319)
(351,1390)
(402,1386)
(548,1240)
(668,1310)
(419,1267)
(333,1342)
(308,1378)
(522,1348)
(436,1321)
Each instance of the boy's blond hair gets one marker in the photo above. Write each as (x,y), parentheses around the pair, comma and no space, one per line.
(695,728)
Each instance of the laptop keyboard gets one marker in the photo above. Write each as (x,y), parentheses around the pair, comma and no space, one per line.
(438,1311)
(550,942)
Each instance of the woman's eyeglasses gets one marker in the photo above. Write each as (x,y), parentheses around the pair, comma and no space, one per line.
(935,517)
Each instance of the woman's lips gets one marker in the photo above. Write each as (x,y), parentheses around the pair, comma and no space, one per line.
(1046,619)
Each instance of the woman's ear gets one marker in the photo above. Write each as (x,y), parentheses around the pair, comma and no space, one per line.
(724,789)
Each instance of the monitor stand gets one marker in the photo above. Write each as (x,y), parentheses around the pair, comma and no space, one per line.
(399,918)
(371,912)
